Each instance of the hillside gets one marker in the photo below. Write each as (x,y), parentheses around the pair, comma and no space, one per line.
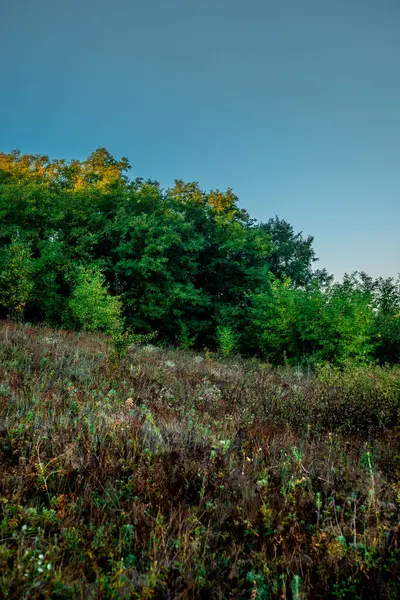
(171,474)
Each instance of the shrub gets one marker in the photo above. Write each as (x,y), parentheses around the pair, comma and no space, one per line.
(227,340)
(16,283)
(92,306)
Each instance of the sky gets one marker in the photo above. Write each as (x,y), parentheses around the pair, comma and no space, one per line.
(294,104)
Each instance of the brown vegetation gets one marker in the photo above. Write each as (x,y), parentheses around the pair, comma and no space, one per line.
(176,475)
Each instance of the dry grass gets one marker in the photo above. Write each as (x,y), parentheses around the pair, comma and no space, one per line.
(175,475)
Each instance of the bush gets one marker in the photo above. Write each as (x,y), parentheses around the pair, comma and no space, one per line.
(92,306)
(227,340)
(16,283)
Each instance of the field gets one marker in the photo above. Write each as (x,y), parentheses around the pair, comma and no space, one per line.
(171,474)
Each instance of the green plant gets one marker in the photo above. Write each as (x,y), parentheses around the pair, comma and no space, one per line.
(16,272)
(91,305)
(227,340)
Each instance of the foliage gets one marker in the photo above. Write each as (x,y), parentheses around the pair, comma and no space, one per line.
(16,283)
(292,256)
(227,340)
(387,319)
(91,306)
(184,262)
(318,324)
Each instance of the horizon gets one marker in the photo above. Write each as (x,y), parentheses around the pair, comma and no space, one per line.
(295,107)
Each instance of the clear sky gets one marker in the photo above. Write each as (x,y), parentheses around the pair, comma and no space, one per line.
(295,104)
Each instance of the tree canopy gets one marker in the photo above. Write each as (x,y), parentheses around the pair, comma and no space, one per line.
(189,264)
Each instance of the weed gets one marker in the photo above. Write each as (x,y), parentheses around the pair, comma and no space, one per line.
(211,478)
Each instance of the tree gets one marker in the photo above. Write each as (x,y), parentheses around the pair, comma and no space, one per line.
(292,256)
(387,320)
(15,277)
(185,262)
(156,262)
(91,306)
(312,324)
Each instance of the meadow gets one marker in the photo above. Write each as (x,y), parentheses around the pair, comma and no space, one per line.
(182,474)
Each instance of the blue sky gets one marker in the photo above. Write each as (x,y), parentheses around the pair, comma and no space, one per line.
(295,104)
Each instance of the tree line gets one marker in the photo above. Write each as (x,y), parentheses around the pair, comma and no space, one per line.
(84,246)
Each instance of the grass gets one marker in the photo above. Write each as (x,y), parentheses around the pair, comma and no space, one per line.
(176,475)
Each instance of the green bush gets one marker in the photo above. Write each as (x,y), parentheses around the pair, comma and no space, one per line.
(91,305)
(16,283)
(227,340)
(312,325)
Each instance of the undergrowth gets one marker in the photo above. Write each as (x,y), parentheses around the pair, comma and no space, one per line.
(173,474)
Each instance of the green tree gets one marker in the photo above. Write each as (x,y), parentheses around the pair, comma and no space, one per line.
(292,256)
(185,262)
(386,328)
(16,283)
(155,254)
(312,324)
(91,305)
